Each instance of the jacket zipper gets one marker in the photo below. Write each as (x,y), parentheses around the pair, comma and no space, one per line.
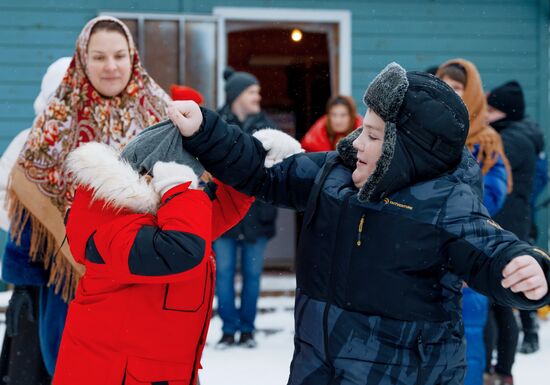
(360,229)
(422,356)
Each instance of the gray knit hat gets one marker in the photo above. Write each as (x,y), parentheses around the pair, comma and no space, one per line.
(159,143)
(236,83)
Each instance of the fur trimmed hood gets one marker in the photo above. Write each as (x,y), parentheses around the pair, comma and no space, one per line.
(98,166)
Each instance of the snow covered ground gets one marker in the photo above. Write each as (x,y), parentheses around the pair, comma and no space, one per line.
(269,363)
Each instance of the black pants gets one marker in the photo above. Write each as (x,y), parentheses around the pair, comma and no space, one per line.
(501,331)
(21,361)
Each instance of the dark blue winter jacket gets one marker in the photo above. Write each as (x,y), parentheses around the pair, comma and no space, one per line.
(397,263)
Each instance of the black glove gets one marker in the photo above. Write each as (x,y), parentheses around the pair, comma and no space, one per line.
(21,300)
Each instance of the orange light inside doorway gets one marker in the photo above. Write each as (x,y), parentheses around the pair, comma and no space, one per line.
(296,35)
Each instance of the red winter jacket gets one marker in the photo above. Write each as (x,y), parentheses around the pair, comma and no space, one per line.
(317,140)
(142,309)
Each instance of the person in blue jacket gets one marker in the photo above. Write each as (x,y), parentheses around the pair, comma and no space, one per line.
(486,146)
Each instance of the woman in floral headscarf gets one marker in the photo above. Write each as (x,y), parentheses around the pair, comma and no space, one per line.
(106,96)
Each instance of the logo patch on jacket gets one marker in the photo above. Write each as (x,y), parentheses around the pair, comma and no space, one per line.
(397,204)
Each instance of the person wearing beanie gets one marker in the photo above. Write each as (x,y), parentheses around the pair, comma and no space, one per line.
(250,236)
(393,224)
(142,309)
(486,146)
(523,142)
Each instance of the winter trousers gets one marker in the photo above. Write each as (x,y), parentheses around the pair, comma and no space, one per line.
(21,361)
(501,331)
(333,346)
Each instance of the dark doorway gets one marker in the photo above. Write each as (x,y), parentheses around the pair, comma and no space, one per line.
(294,76)
(295,79)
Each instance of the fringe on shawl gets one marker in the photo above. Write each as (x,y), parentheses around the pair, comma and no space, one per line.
(43,248)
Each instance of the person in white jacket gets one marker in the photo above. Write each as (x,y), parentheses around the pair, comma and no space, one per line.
(51,80)
(21,361)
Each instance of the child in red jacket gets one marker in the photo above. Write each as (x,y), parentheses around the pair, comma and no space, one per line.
(142,309)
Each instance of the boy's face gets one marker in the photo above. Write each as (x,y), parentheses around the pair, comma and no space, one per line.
(369,147)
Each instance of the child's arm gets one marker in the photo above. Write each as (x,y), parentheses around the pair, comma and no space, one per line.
(238,159)
(139,249)
(492,260)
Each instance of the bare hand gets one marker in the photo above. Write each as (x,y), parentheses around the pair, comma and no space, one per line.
(186,115)
(524,275)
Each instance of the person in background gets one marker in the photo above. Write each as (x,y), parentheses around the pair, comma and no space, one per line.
(486,146)
(340,120)
(21,360)
(105,96)
(250,236)
(523,142)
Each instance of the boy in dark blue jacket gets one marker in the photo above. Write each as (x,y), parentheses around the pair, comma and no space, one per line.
(393,224)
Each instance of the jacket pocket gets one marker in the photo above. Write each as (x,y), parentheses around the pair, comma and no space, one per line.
(145,371)
(189,295)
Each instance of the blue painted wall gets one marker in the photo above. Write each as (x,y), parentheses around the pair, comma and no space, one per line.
(506,39)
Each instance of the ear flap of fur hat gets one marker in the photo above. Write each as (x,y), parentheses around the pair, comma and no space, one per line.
(346,150)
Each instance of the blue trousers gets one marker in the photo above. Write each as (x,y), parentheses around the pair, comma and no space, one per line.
(252,260)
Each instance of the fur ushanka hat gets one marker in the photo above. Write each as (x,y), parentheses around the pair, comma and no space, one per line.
(426,128)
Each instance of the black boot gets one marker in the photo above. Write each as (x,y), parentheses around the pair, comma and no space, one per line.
(530,343)
(226,341)
(247,340)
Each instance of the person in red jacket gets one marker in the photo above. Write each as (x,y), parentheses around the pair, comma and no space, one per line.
(340,120)
(142,309)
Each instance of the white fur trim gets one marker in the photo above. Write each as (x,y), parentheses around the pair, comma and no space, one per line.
(99,167)
(278,145)
(50,82)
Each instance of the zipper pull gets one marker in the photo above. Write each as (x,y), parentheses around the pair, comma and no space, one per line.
(360,229)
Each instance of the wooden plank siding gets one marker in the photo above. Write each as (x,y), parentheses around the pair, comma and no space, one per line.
(506,39)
